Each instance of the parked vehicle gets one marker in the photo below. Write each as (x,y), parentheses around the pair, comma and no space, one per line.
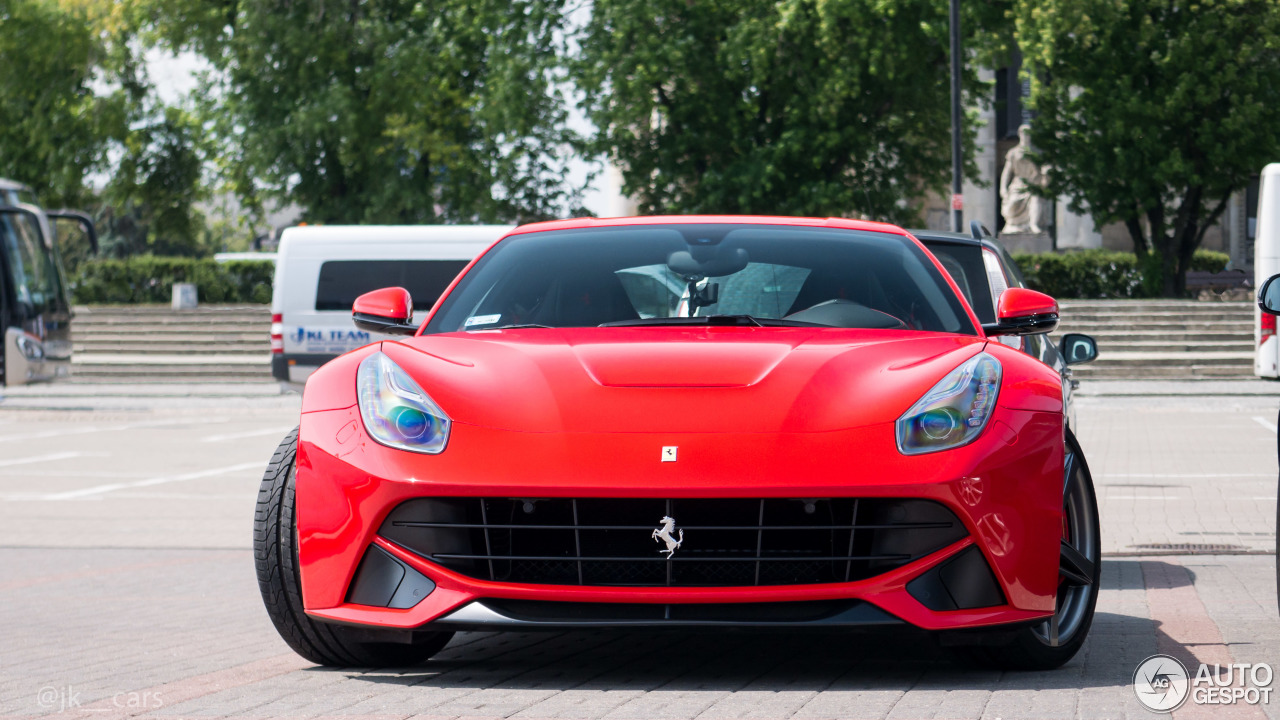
(1269,306)
(983,269)
(1266,263)
(35,301)
(815,432)
(321,270)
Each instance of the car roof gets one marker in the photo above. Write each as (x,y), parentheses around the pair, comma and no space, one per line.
(954,238)
(580,223)
(321,236)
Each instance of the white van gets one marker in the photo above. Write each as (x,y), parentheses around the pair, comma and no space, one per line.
(321,270)
(1266,262)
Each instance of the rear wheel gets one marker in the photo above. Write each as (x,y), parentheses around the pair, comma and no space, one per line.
(275,556)
(1052,643)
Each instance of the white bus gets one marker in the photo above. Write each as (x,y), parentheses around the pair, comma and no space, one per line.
(1266,262)
(321,270)
(35,301)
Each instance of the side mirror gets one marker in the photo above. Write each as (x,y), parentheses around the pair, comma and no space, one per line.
(83,220)
(1023,312)
(388,311)
(1269,296)
(1077,348)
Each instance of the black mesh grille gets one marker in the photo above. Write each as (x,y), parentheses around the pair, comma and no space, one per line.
(726,542)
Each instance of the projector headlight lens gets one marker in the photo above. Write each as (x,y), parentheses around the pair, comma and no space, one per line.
(396,412)
(955,411)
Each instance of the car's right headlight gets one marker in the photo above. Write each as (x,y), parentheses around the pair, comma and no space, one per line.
(953,412)
(396,412)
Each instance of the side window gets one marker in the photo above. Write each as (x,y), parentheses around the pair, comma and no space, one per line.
(965,265)
(956,271)
(342,281)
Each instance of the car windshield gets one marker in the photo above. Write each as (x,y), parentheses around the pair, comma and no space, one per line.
(704,274)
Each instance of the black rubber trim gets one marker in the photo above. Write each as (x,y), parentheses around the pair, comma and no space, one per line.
(964,582)
(384,581)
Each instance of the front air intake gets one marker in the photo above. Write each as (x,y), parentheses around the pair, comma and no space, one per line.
(713,542)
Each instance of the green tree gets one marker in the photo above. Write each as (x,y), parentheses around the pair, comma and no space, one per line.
(392,111)
(150,205)
(801,107)
(54,130)
(1153,112)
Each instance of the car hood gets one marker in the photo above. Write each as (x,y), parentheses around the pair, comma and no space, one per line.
(662,379)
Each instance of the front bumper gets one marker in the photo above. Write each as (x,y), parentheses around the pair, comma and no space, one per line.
(1005,488)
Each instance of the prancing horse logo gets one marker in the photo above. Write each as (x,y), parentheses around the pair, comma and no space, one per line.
(664,534)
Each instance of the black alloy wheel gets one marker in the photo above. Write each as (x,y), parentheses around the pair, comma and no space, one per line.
(1052,643)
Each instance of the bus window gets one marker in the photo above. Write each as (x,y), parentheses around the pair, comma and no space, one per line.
(35,278)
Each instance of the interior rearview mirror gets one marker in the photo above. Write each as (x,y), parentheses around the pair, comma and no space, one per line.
(707,261)
(1269,296)
(1077,348)
(389,311)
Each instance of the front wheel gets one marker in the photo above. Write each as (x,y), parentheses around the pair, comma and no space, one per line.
(275,556)
(1052,643)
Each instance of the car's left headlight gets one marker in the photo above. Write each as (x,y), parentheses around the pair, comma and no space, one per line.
(953,412)
(396,412)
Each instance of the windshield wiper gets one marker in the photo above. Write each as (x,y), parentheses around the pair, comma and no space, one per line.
(712,320)
(519,326)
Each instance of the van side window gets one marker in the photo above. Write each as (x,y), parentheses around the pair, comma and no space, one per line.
(342,281)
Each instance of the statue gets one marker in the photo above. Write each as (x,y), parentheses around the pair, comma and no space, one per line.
(1023,211)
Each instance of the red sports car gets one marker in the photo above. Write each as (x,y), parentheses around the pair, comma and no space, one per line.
(684,422)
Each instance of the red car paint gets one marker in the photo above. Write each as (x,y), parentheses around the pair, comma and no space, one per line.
(392,302)
(795,412)
(1020,302)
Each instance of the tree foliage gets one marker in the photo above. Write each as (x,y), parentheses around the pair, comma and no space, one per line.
(77,108)
(1153,112)
(54,130)
(804,107)
(385,111)
(151,203)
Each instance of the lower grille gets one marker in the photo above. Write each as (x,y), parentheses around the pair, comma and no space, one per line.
(722,542)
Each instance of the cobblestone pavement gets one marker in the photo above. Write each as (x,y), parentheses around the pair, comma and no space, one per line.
(127,589)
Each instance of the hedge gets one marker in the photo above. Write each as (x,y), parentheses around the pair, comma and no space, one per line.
(149,279)
(1101,273)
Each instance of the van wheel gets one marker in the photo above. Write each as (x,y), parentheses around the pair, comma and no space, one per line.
(275,556)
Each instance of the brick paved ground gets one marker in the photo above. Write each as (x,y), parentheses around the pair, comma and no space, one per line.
(127,589)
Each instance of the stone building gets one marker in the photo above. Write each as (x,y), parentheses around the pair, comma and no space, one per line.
(1233,234)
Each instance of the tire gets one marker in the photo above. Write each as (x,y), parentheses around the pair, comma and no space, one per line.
(1033,647)
(275,557)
